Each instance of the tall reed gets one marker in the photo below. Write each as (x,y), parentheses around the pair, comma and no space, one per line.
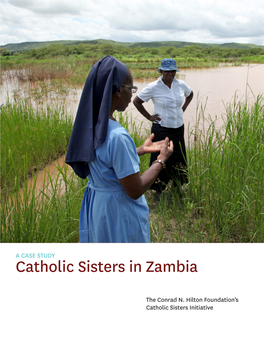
(30,139)
(48,215)
(33,212)
(223,201)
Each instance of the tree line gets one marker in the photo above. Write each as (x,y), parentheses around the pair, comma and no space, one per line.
(102,49)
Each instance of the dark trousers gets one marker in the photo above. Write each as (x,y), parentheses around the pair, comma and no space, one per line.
(176,165)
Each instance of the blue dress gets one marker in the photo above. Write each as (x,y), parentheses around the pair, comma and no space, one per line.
(108,214)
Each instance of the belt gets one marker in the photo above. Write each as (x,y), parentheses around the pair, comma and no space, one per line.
(105,189)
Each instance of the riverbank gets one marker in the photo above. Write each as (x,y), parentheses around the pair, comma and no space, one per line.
(71,70)
(223,201)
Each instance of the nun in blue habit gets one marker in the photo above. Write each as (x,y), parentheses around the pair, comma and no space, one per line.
(114,209)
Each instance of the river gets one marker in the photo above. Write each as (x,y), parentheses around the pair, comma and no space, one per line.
(215,87)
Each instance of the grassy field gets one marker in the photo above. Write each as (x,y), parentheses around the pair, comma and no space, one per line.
(223,201)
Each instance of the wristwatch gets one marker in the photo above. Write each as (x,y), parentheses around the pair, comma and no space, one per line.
(161,162)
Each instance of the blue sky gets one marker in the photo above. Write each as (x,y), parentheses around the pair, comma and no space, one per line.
(205,21)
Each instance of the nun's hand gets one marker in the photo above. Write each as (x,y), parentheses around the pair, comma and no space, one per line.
(166,151)
(150,147)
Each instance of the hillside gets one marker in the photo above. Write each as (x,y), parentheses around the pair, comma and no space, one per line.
(178,44)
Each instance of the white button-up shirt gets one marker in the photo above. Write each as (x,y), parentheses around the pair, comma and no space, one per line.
(167,101)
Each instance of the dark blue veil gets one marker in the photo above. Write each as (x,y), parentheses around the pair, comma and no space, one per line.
(91,122)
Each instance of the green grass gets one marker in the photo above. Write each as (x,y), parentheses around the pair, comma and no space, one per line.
(254,59)
(30,139)
(50,215)
(223,202)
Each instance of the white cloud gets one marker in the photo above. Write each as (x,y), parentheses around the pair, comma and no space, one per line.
(204,21)
(240,19)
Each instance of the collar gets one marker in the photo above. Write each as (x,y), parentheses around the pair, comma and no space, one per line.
(160,80)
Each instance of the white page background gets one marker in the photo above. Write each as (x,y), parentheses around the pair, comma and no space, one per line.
(113,305)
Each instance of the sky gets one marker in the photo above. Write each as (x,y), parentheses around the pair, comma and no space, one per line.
(203,21)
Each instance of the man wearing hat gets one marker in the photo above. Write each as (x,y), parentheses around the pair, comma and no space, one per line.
(171,98)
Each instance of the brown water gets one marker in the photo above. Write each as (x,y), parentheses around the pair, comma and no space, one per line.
(43,182)
(43,178)
(214,87)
